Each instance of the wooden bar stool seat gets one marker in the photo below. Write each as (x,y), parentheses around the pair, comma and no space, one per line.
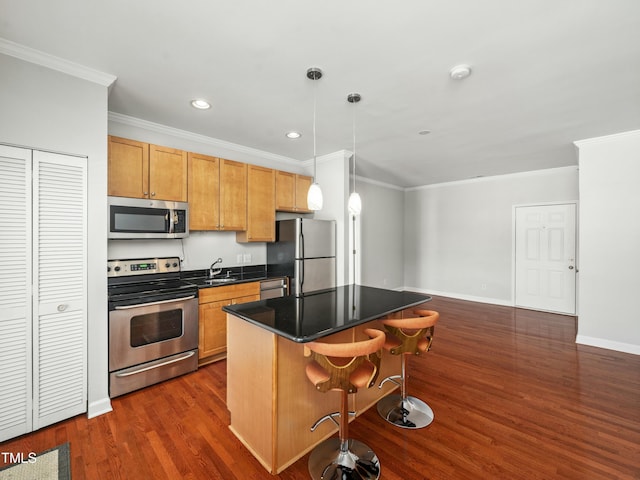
(344,367)
(407,336)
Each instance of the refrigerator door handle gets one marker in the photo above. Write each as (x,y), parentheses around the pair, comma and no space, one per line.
(301,244)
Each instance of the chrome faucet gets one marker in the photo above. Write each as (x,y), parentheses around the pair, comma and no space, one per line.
(213,272)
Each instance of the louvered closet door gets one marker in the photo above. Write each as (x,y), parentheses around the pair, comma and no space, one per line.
(15,292)
(60,279)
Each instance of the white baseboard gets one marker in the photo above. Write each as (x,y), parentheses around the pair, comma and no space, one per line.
(99,407)
(458,296)
(580,339)
(608,344)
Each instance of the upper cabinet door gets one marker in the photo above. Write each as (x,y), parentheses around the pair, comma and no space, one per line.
(302,189)
(285,191)
(128,168)
(261,212)
(204,192)
(167,174)
(233,195)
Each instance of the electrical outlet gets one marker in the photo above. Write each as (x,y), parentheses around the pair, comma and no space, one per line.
(239,258)
(247,258)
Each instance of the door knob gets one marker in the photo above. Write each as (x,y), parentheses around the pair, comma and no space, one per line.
(570,267)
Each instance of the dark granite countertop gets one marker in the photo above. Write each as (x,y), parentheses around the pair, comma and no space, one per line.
(303,319)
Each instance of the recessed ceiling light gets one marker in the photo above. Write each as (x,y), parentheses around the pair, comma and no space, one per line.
(293,134)
(424,132)
(459,72)
(200,104)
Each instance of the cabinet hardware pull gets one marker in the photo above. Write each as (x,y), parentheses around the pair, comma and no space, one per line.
(128,307)
(151,367)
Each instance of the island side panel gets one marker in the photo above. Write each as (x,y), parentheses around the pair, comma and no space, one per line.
(251,388)
(271,401)
(299,404)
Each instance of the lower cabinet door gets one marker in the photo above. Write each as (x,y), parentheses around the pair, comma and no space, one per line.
(212,329)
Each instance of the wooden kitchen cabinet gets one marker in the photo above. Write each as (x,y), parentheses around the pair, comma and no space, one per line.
(217,193)
(212,344)
(261,208)
(204,192)
(233,195)
(291,192)
(128,168)
(141,170)
(167,174)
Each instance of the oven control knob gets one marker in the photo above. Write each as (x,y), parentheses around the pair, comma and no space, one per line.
(117,269)
(175,264)
(108,269)
(167,265)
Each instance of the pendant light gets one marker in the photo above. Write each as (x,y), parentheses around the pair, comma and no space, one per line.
(314,196)
(355,202)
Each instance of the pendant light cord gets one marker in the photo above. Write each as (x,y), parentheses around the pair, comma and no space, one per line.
(315,98)
(354,146)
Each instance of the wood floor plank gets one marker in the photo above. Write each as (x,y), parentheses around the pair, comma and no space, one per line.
(514,398)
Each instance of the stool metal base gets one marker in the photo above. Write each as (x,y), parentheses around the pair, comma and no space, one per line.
(412,413)
(359,462)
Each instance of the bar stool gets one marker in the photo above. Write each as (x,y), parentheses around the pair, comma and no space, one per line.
(344,367)
(407,336)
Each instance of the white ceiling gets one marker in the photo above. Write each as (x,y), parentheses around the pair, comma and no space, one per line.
(544,74)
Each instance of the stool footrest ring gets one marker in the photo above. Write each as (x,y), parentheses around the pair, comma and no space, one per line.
(330,416)
(392,378)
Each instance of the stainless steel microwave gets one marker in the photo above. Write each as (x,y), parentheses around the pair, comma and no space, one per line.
(141,218)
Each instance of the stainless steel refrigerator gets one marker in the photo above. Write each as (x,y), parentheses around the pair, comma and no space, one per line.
(304,251)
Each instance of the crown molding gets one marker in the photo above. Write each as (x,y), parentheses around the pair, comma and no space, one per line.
(196,137)
(606,138)
(530,173)
(379,183)
(37,57)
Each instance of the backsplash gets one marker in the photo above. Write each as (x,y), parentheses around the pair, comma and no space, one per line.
(245,272)
(197,251)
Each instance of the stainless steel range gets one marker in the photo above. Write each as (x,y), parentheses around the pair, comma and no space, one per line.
(153,323)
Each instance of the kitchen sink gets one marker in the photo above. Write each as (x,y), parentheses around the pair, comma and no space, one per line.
(213,281)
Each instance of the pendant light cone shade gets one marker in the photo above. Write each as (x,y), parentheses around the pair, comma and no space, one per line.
(354,205)
(314,196)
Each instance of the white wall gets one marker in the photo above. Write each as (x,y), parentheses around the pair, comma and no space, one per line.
(458,235)
(333,178)
(49,110)
(610,242)
(381,234)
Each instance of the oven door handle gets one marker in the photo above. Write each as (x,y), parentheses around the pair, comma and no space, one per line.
(157,365)
(127,307)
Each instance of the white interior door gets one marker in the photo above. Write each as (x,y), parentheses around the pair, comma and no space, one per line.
(60,287)
(545,257)
(15,293)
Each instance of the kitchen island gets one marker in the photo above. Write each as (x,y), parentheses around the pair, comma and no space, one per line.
(271,402)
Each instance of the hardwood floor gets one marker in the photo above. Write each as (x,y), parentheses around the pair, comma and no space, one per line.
(514,398)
